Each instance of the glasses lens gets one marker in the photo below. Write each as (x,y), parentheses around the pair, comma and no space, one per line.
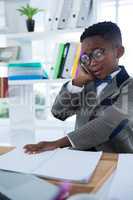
(98,54)
(84,59)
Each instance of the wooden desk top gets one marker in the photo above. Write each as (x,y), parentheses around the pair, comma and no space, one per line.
(104,169)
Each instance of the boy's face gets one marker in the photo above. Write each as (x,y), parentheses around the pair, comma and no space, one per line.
(102,56)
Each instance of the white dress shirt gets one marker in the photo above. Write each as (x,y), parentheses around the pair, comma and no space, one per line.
(76,89)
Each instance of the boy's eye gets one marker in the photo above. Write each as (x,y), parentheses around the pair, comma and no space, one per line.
(98,53)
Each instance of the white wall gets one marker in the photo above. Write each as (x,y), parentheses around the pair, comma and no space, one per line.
(15,22)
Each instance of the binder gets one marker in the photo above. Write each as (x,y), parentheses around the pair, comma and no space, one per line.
(53,12)
(69,60)
(64,57)
(76,62)
(50,11)
(65,14)
(57,14)
(84,13)
(51,67)
(72,21)
(58,60)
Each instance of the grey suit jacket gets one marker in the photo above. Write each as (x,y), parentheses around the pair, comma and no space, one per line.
(104,123)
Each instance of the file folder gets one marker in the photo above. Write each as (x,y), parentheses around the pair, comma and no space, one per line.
(65,14)
(57,14)
(84,13)
(64,57)
(58,60)
(72,21)
(69,60)
(50,11)
(76,61)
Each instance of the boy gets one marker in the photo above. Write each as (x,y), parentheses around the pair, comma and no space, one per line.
(101,96)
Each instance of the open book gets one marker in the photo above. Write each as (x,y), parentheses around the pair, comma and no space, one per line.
(65,164)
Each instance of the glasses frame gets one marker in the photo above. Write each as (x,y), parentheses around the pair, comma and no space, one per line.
(84,64)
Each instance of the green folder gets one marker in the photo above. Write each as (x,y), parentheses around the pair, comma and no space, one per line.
(64,57)
(57,66)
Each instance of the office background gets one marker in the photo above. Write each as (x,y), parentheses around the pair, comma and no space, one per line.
(13,26)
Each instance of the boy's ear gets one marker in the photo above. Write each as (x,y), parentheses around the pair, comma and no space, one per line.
(120,51)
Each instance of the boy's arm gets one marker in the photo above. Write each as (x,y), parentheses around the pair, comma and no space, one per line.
(68,103)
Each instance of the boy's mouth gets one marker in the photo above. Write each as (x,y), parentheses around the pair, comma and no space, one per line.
(97,72)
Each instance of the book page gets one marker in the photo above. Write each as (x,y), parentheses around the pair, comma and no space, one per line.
(70,165)
(17,160)
(63,164)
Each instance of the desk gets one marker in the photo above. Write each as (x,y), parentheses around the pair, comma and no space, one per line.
(104,169)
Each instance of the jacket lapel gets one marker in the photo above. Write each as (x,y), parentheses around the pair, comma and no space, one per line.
(111,91)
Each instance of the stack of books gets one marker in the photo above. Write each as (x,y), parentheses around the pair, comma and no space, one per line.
(25,71)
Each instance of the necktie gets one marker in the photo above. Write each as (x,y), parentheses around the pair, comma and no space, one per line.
(107,80)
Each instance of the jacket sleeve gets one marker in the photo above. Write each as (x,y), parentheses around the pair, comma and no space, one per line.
(99,130)
(66,104)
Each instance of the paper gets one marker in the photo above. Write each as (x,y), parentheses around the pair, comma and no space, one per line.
(19,161)
(122,185)
(70,165)
(60,164)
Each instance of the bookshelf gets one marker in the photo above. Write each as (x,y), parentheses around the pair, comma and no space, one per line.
(42,41)
(31,82)
(58,35)
(3,100)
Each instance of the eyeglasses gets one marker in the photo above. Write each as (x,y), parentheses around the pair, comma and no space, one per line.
(97,55)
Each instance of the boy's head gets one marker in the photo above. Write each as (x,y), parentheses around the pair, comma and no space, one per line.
(102,43)
(107,30)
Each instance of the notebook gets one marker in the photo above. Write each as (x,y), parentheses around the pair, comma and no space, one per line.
(64,164)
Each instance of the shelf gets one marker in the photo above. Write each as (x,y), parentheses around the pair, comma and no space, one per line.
(4,100)
(26,82)
(66,34)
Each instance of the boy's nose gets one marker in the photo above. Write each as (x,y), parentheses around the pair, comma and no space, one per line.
(92,63)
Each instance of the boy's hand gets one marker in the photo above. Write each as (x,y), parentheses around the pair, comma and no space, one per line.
(39,147)
(84,76)
(46,146)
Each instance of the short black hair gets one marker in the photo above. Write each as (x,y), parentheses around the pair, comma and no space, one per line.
(107,30)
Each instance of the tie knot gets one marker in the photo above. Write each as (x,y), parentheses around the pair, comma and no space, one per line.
(107,80)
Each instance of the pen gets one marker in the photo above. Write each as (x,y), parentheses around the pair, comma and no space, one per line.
(63,192)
